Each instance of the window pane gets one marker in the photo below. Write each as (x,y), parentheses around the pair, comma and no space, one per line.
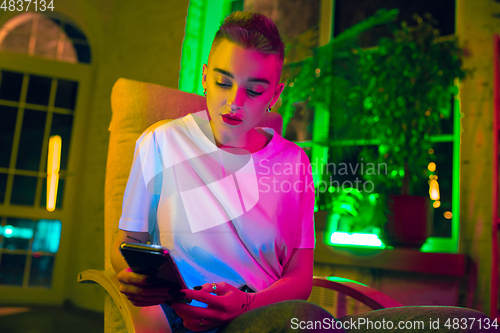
(46,47)
(66,94)
(7,127)
(69,52)
(3,186)
(443,152)
(30,144)
(10,87)
(348,13)
(47,28)
(73,32)
(61,125)
(23,190)
(12,269)
(355,211)
(16,43)
(345,192)
(23,28)
(39,90)
(18,233)
(83,52)
(60,192)
(41,271)
(47,236)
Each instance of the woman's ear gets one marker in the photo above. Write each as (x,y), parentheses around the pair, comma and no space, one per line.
(204,76)
(277,93)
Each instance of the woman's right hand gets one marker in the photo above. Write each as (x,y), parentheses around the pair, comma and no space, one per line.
(141,290)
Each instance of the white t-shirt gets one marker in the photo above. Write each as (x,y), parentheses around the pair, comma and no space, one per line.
(223,216)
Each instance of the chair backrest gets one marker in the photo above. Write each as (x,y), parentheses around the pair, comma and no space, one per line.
(136,106)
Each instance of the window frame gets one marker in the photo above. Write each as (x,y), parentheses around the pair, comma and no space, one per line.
(81,73)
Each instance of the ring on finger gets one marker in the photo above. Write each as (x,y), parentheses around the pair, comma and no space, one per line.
(214,286)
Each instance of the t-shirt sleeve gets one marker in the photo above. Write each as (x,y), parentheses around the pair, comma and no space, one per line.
(141,196)
(305,237)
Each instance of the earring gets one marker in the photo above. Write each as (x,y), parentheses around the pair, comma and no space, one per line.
(205,92)
(268,109)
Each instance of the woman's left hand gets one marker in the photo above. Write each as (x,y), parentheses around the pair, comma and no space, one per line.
(228,303)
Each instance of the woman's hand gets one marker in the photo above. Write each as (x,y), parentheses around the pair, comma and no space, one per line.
(228,303)
(141,290)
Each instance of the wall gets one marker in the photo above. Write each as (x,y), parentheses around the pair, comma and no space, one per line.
(475,28)
(137,40)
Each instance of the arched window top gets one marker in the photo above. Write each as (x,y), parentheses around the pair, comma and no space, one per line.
(45,36)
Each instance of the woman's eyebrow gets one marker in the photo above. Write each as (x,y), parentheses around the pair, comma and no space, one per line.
(251,79)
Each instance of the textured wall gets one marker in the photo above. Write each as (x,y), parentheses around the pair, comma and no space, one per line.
(137,40)
(475,28)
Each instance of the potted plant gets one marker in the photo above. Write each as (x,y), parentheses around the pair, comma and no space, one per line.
(309,74)
(396,95)
(409,82)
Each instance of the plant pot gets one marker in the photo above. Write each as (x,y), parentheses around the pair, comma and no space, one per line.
(409,223)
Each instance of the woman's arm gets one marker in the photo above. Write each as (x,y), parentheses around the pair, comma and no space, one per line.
(296,282)
(117,261)
(230,302)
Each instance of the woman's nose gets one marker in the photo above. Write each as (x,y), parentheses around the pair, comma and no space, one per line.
(237,100)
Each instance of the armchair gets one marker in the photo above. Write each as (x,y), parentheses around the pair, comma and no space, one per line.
(135,106)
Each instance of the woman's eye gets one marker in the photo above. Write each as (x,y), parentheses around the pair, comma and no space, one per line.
(253,92)
(220,84)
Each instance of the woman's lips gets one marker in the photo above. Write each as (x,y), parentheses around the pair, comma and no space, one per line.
(231,120)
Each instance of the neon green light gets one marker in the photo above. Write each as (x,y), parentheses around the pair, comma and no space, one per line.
(357,239)
(341,279)
(202,21)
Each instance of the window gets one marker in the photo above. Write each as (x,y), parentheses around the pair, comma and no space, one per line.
(345,146)
(47,37)
(33,108)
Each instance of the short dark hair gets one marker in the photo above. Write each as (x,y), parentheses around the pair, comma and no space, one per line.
(253,31)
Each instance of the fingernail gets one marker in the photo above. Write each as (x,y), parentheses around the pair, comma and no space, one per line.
(150,279)
(197,288)
(169,303)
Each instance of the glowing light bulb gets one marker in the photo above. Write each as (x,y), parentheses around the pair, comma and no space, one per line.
(434,189)
(436,204)
(8,231)
(432,167)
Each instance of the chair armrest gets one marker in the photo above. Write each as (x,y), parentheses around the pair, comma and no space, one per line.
(360,292)
(137,319)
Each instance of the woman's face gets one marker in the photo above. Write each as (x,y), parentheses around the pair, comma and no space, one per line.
(241,80)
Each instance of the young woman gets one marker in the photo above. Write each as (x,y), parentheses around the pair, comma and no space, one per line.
(233,203)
